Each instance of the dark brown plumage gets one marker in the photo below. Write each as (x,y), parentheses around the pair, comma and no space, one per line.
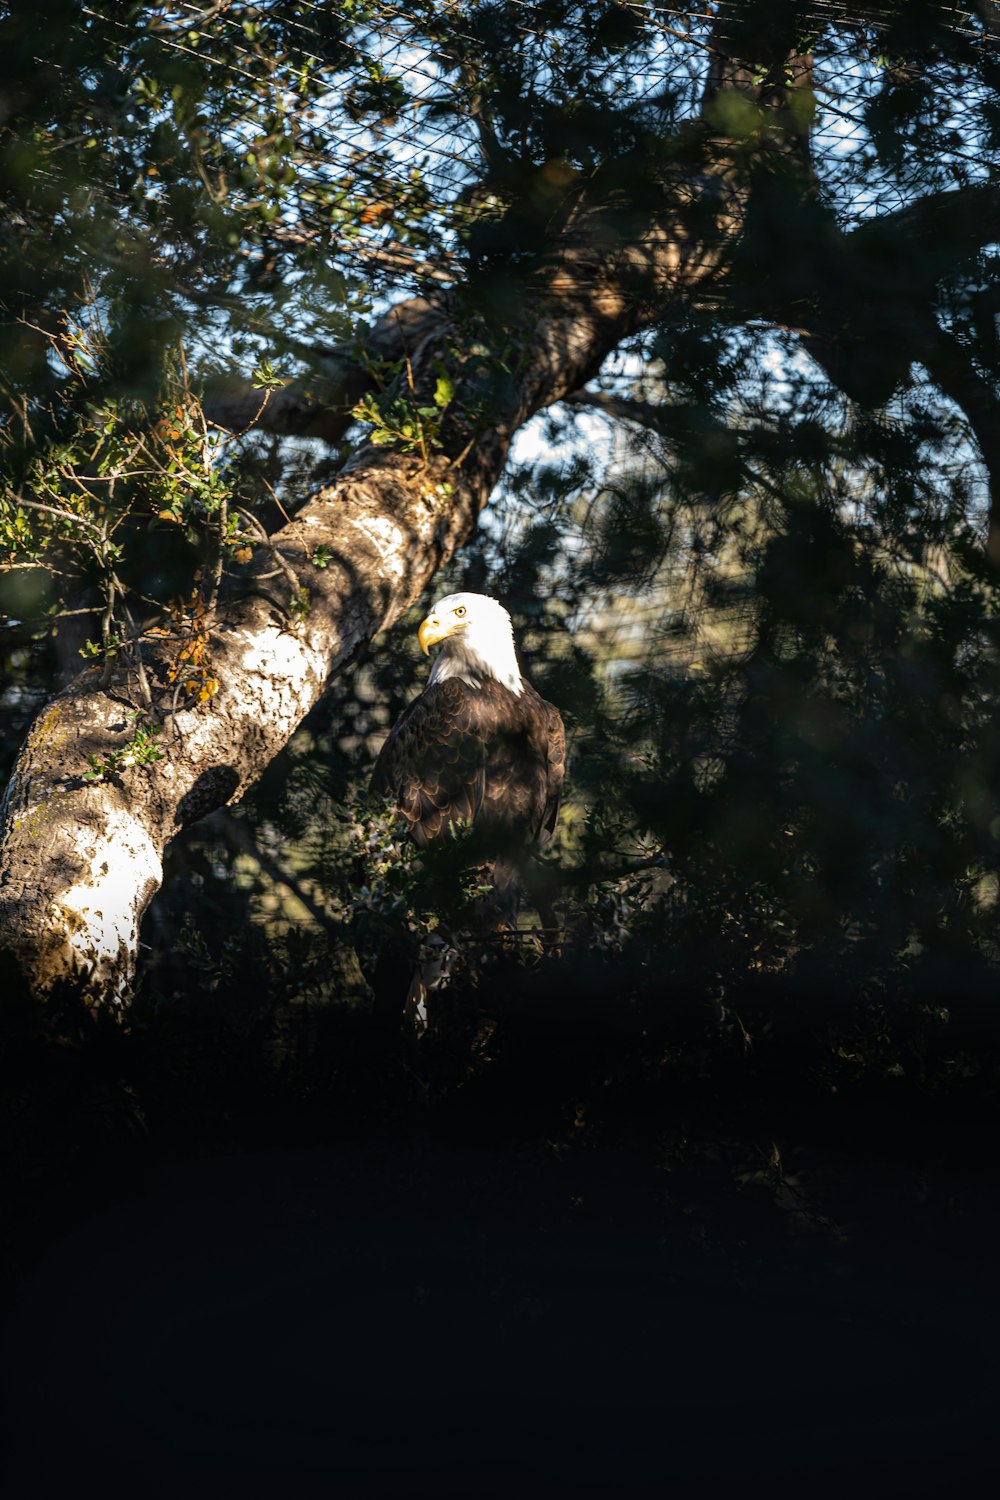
(478,754)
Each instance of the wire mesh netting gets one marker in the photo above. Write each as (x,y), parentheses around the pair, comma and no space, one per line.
(399,114)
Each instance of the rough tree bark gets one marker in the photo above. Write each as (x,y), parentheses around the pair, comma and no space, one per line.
(79,860)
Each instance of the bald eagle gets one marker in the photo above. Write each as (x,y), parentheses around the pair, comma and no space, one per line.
(479,745)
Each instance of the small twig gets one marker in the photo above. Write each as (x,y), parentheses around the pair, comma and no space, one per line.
(64,515)
(270,490)
(173,707)
(106,621)
(283,565)
(136,651)
(217,558)
(252,422)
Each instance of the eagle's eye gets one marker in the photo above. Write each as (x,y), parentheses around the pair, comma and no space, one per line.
(460,610)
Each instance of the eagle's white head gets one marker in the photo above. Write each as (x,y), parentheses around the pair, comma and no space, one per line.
(476,638)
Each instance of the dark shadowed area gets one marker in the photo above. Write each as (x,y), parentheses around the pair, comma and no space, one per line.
(569,1272)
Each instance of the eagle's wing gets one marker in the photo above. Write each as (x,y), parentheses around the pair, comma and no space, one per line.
(434,761)
(527,762)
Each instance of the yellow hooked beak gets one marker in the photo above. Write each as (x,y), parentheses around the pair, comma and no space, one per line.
(431,631)
(434,629)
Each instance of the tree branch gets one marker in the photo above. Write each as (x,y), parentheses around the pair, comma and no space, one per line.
(319,405)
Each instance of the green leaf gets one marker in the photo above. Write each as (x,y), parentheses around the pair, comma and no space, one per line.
(444,391)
